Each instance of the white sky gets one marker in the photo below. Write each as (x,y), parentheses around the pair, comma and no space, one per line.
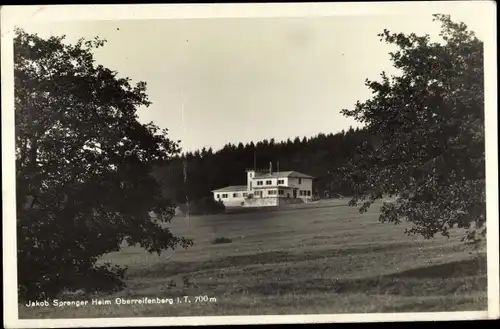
(219,80)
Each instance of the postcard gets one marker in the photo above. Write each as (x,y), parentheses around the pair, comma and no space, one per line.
(249,163)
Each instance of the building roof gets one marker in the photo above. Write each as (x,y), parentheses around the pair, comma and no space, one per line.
(281,174)
(234,188)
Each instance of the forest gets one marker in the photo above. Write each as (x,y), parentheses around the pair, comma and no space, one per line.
(192,176)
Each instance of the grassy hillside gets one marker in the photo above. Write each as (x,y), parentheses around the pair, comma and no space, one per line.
(323,258)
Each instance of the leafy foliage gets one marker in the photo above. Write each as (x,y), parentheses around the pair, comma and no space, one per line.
(428,128)
(83,166)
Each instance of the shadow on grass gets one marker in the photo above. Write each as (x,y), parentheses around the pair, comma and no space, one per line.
(468,267)
(461,277)
(270,257)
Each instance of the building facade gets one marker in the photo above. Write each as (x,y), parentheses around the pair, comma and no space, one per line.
(267,188)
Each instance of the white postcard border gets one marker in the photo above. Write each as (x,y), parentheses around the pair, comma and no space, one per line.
(11,15)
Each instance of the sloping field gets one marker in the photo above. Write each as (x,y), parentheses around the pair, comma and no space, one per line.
(321,258)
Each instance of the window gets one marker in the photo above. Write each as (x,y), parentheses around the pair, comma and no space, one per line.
(235,195)
(300,180)
(259,182)
(217,196)
(269,182)
(271,192)
(281,181)
(250,185)
(224,196)
(301,193)
(257,193)
(244,194)
(281,192)
(308,193)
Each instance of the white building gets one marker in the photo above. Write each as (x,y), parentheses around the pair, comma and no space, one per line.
(267,189)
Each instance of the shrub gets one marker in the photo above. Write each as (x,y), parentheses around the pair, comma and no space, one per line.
(222,239)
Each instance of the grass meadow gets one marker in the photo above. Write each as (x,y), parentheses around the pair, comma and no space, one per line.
(323,258)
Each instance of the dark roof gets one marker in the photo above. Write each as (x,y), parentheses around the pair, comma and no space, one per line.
(280,174)
(234,188)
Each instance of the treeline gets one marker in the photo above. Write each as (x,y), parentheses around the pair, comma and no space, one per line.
(193,175)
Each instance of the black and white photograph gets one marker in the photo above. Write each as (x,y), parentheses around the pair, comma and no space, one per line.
(249,163)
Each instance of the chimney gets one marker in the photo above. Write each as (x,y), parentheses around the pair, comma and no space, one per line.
(270,167)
